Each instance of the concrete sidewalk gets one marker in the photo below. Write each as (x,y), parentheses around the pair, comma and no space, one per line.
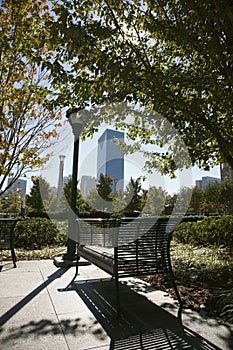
(36,313)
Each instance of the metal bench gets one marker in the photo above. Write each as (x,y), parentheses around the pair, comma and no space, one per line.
(127,247)
(7,236)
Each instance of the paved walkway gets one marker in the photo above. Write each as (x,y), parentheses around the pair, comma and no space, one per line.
(35,313)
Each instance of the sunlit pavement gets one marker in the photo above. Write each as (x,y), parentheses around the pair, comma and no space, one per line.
(39,312)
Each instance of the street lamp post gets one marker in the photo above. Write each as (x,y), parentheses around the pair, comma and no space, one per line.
(75,122)
(60,180)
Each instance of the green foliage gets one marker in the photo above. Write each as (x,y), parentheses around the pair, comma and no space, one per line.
(40,199)
(213,199)
(196,203)
(101,198)
(133,196)
(11,203)
(27,113)
(155,201)
(104,188)
(35,233)
(223,299)
(213,231)
(65,200)
(172,56)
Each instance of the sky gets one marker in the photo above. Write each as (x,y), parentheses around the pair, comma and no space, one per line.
(133,164)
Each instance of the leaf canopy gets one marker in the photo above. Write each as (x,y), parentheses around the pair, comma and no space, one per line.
(174,57)
(28,116)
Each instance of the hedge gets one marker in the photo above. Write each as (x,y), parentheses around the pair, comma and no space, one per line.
(213,231)
(36,233)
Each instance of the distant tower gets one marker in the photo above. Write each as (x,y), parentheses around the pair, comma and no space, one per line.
(110,161)
(60,179)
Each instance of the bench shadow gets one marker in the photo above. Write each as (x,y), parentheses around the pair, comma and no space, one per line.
(143,325)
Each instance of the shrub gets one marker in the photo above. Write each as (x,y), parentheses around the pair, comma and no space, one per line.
(222,300)
(214,231)
(35,233)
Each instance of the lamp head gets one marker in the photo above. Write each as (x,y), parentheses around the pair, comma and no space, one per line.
(62,157)
(75,121)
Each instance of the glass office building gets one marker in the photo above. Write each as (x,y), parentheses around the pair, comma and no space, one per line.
(110,161)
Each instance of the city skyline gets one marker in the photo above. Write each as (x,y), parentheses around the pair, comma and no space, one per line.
(88,163)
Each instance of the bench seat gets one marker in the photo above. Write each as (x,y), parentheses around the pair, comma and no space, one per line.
(100,256)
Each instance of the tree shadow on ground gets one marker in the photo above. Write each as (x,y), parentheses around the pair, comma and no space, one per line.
(46,327)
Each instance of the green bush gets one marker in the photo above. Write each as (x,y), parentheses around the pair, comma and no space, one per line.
(214,231)
(36,233)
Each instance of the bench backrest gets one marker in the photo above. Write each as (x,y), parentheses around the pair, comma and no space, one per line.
(6,232)
(149,253)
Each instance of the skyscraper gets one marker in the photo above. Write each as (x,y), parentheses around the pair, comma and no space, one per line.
(110,161)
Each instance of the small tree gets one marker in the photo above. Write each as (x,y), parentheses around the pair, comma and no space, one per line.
(40,197)
(28,116)
(119,203)
(182,200)
(102,198)
(104,187)
(11,203)
(212,196)
(66,199)
(133,197)
(226,197)
(196,203)
(156,198)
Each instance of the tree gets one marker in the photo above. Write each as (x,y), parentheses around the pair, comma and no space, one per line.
(101,198)
(12,202)
(119,203)
(40,197)
(227,196)
(172,56)
(104,187)
(212,196)
(28,115)
(156,198)
(66,199)
(197,200)
(182,200)
(133,196)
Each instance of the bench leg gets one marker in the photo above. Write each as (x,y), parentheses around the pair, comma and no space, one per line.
(77,265)
(118,304)
(178,297)
(13,256)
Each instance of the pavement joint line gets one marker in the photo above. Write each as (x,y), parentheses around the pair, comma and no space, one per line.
(54,309)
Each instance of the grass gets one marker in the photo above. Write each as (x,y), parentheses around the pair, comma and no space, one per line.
(203,275)
(36,254)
